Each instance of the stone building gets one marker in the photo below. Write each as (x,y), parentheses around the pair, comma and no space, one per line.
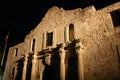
(79,44)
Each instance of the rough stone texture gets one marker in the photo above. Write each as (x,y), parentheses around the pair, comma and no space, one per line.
(98,41)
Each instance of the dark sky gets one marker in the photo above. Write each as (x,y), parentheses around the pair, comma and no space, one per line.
(21,16)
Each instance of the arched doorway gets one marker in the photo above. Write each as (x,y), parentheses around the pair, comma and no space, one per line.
(49,73)
(72,68)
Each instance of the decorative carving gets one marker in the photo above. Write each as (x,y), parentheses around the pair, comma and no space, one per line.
(48,59)
(79,45)
(62,51)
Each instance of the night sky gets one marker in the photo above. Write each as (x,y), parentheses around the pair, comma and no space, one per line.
(21,16)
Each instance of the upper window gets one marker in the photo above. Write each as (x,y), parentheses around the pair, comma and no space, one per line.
(33,45)
(115,15)
(16,51)
(49,40)
(71,32)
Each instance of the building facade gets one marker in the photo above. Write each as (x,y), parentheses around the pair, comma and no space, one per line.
(79,44)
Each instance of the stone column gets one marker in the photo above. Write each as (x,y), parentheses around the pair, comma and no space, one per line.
(42,68)
(33,71)
(25,67)
(80,63)
(62,62)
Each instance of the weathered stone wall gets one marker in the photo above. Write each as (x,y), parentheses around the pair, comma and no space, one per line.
(13,60)
(98,39)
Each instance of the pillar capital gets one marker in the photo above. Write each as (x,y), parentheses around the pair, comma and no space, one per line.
(62,51)
(26,55)
(34,56)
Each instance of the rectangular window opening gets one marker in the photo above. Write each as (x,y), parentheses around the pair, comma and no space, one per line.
(49,40)
(16,51)
(33,45)
(115,15)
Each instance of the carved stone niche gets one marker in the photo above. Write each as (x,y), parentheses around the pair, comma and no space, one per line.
(48,59)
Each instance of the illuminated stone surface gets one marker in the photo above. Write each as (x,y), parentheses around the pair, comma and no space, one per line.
(96,56)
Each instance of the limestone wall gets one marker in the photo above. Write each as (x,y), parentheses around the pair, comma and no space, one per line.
(97,34)
(15,60)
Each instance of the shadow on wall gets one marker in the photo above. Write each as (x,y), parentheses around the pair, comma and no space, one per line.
(49,73)
(20,65)
(52,70)
(71,62)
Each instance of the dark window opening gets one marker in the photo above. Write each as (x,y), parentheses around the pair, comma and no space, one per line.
(13,70)
(33,45)
(16,51)
(115,15)
(71,32)
(49,39)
